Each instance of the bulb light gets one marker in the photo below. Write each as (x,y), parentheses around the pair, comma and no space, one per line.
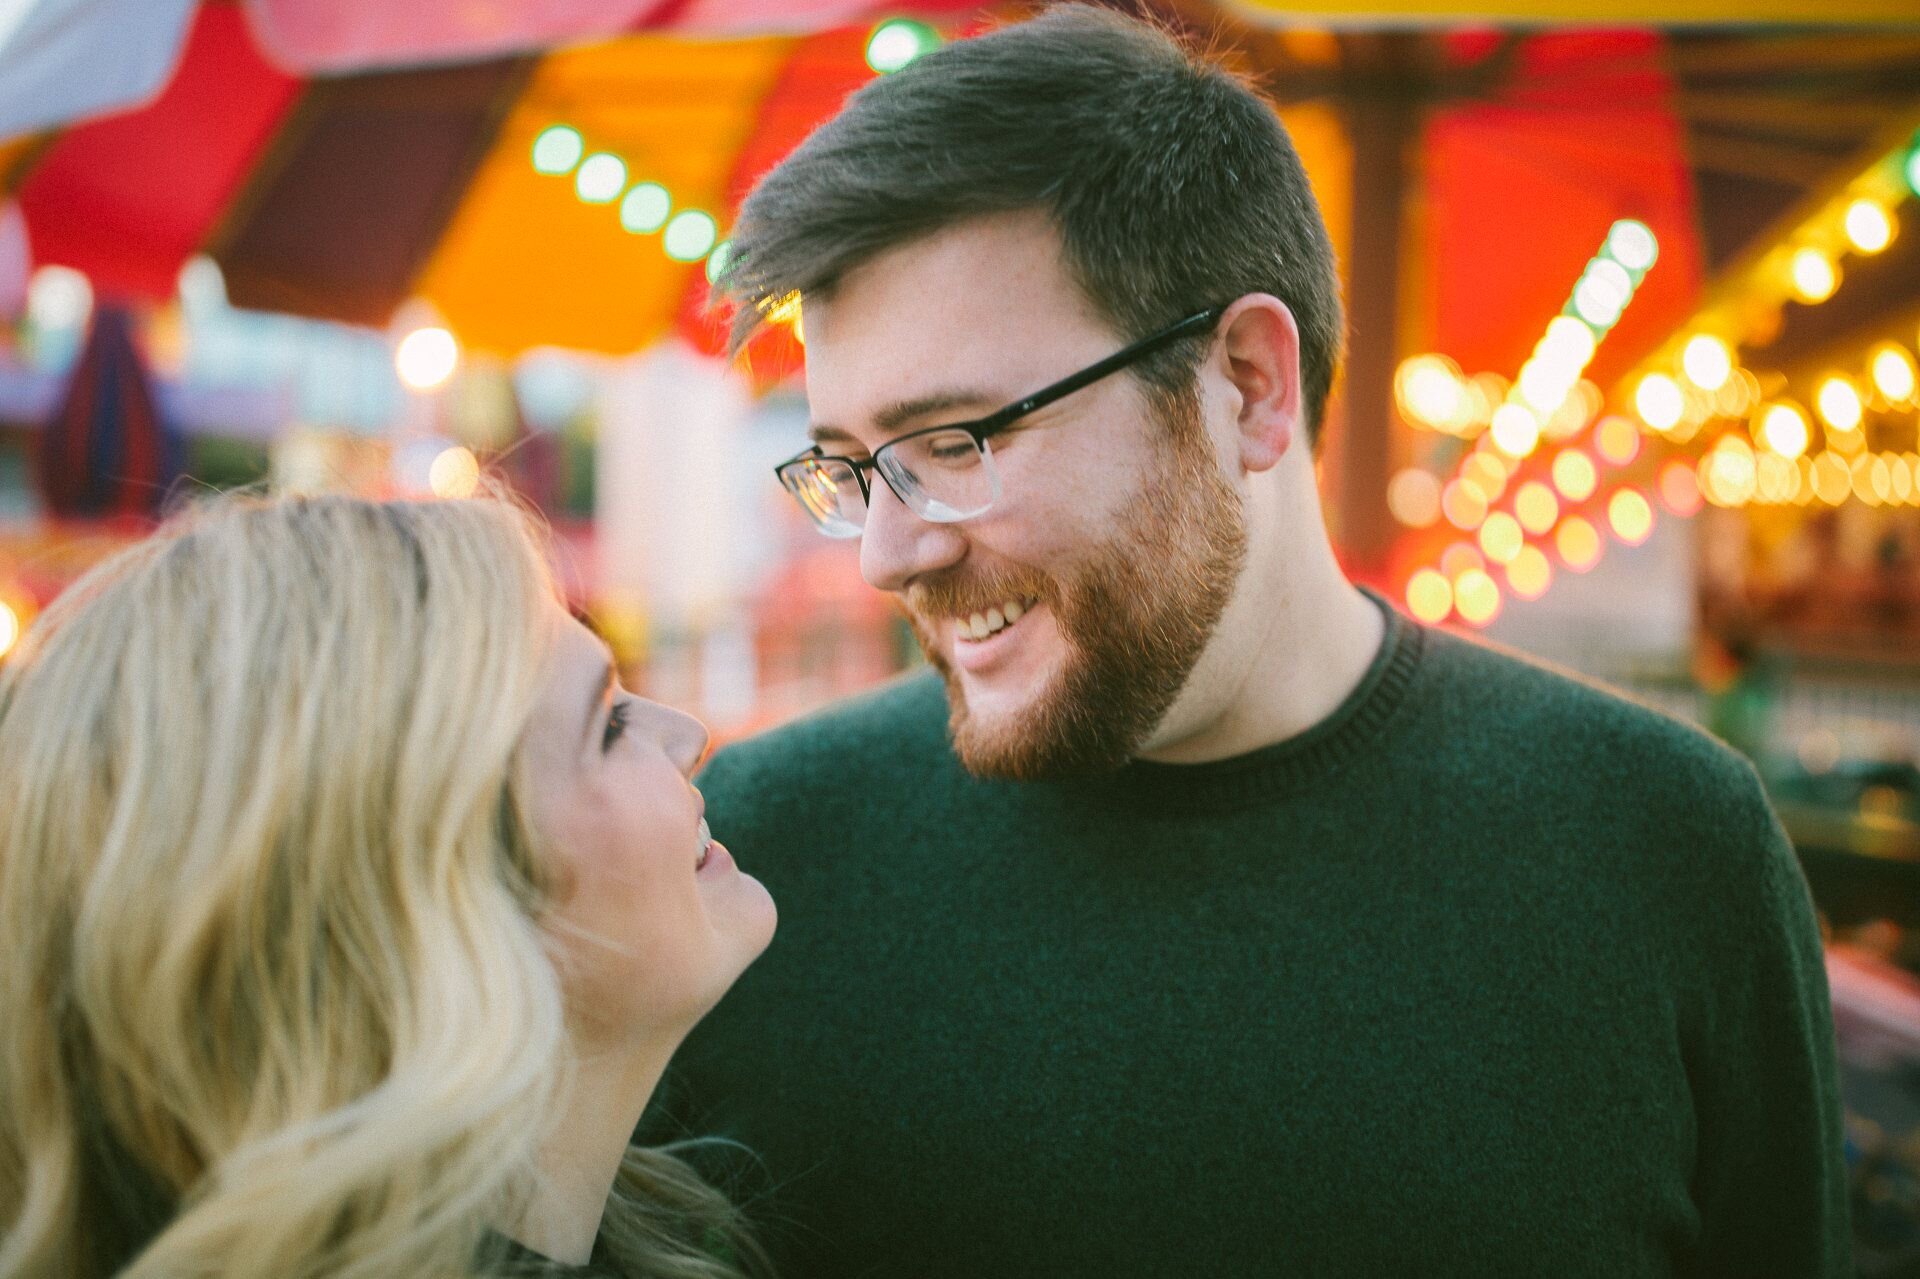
(1578,544)
(557,150)
(1814,276)
(1617,440)
(1515,430)
(897,42)
(455,473)
(1838,404)
(1659,401)
(1413,496)
(644,209)
(1530,573)
(689,236)
(426,358)
(1869,226)
(1631,516)
(1783,429)
(1707,361)
(1429,596)
(601,178)
(1429,390)
(1501,538)
(1893,373)
(1574,475)
(1633,245)
(1477,597)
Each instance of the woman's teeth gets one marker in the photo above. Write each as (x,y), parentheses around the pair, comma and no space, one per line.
(980,625)
(706,843)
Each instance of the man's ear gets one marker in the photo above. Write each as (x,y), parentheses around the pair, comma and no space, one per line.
(1260,344)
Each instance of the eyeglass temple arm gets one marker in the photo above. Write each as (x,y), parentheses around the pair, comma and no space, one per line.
(1094,372)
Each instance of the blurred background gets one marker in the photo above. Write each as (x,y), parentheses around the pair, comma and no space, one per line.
(1634,297)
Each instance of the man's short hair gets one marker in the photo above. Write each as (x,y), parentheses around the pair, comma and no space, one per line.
(1172,183)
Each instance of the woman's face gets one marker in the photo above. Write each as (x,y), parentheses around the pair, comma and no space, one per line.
(652,922)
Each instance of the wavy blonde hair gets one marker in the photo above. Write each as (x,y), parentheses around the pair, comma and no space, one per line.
(275,993)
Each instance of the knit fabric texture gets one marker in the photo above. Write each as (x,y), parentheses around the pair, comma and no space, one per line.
(1492,972)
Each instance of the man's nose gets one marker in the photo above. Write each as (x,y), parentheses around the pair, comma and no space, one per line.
(898,546)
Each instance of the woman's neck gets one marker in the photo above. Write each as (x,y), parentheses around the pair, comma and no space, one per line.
(580,1159)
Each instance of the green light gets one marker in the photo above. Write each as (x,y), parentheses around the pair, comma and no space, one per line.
(898,41)
(1910,165)
(557,150)
(601,178)
(717,260)
(689,236)
(645,209)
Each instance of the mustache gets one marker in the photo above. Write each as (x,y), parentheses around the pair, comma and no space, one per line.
(958,594)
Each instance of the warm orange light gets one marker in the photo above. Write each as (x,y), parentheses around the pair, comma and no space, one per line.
(1460,557)
(1728,473)
(1707,361)
(1893,372)
(1679,489)
(1429,391)
(1838,403)
(1477,597)
(1631,516)
(1832,478)
(1536,507)
(1530,573)
(1429,596)
(1578,544)
(1617,439)
(1869,226)
(1814,276)
(9,628)
(1574,476)
(1487,471)
(1463,504)
(1501,538)
(1414,498)
(1783,429)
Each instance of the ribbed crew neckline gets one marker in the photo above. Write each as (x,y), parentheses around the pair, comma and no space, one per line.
(1305,758)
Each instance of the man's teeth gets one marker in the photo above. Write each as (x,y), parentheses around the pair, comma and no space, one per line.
(980,625)
(706,843)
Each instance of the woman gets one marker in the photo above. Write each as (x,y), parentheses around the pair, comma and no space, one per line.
(349,912)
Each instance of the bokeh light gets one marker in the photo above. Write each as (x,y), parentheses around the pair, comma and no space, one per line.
(1515,430)
(1707,361)
(1869,226)
(1633,244)
(9,628)
(1413,496)
(1783,429)
(1476,596)
(1578,544)
(601,179)
(455,473)
(1659,401)
(897,42)
(690,235)
(1838,403)
(1536,507)
(1631,516)
(1501,538)
(426,358)
(557,150)
(1464,505)
(1680,488)
(1617,440)
(1814,275)
(1727,472)
(644,209)
(1530,573)
(1574,475)
(1429,596)
(1430,391)
(1893,372)
(1832,478)
(1460,557)
(1487,470)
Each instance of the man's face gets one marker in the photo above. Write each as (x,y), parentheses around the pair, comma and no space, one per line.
(1116,539)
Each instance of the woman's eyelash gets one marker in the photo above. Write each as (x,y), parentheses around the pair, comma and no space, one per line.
(616,725)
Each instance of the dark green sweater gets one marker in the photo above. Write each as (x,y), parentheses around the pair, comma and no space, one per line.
(1491,973)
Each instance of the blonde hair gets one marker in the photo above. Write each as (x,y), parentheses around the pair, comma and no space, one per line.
(275,995)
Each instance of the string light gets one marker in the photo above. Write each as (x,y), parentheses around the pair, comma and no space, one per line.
(1476,596)
(1578,544)
(1893,373)
(426,358)
(601,178)
(895,43)
(1413,496)
(1574,475)
(1838,404)
(1783,429)
(1680,489)
(690,235)
(1429,596)
(1501,538)
(9,628)
(1707,362)
(1617,440)
(557,150)
(1530,573)
(1868,225)
(1659,401)
(1515,430)
(1464,505)
(1814,275)
(644,209)
(455,473)
(1536,507)
(1631,516)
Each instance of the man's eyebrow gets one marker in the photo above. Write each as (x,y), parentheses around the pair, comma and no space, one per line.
(893,416)
(601,688)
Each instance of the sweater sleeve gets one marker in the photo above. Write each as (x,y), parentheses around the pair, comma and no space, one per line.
(1770,1177)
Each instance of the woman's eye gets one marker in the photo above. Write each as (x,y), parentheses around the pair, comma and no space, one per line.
(616,725)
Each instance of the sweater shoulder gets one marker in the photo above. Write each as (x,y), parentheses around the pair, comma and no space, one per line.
(1510,710)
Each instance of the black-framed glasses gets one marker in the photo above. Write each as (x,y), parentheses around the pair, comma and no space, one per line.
(945,473)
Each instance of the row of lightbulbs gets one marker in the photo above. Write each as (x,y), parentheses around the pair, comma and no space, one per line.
(1733,474)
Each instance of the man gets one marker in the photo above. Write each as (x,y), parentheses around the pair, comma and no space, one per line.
(1198,914)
